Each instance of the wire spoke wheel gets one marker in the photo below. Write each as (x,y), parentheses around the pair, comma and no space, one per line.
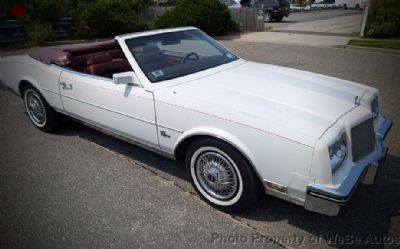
(216,175)
(221,175)
(35,107)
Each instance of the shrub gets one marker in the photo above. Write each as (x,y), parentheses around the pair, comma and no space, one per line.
(211,16)
(384,19)
(3,11)
(47,10)
(39,32)
(107,18)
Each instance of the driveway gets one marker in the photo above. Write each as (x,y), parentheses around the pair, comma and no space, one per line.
(78,188)
(322,22)
(322,28)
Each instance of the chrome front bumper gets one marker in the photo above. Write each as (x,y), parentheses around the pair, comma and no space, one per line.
(328,201)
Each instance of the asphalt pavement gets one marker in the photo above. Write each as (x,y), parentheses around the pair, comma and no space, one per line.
(78,188)
(75,189)
(322,28)
(328,22)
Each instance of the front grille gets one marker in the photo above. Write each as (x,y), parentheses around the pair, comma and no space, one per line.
(363,139)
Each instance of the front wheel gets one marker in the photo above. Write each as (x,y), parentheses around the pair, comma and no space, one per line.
(222,176)
(39,112)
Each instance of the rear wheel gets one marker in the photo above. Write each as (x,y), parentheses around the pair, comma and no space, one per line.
(267,16)
(39,112)
(222,176)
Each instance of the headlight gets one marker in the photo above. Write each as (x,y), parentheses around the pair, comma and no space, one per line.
(338,152)
(375,107)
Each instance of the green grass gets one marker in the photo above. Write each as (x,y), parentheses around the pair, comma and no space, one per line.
(268,28)
(388,44)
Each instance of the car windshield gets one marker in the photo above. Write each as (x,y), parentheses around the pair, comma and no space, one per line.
(170,55)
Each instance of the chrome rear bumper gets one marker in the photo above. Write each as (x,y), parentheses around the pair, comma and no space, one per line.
(328,201)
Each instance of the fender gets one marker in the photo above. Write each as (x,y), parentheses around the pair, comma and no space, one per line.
(222,135)
(30,80)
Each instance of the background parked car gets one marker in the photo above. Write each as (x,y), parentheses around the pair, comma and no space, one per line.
(273,9)
(232,4)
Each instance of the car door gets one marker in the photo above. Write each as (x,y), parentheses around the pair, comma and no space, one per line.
(125,110)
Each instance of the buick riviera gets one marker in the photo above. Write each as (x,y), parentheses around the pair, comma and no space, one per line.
(242,128)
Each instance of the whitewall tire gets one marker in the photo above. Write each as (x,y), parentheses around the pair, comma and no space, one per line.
(38,110)
(221,175)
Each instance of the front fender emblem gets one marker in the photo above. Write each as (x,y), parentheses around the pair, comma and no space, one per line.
(357,100)
(164,134)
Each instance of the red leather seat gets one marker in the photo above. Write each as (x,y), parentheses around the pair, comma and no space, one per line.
(79,62)
(105,66)
(150,58)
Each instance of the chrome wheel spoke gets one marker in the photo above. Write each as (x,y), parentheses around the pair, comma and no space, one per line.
(36,109)
(217,175)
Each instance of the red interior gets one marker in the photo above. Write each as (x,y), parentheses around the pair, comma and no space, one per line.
(105,58)
(100,58)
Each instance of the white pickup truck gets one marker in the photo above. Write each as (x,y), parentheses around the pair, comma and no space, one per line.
(352,4)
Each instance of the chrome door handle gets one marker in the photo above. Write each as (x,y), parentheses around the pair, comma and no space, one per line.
(65,86)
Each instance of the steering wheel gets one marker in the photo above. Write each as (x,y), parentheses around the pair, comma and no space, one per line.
(189,55)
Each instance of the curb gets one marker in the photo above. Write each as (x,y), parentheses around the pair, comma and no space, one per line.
(371,49)
(308,32)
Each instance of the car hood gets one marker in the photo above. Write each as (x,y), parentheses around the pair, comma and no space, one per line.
(290,103)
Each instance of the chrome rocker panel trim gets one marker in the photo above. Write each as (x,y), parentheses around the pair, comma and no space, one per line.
(110,132)
(328,201)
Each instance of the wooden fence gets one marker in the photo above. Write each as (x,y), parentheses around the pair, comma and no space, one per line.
(247,18)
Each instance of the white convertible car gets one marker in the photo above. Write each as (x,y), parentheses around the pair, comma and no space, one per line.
(243,128)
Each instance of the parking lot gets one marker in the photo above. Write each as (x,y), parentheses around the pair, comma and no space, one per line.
(79,188)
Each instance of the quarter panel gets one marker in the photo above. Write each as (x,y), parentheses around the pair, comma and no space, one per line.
(15,69)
